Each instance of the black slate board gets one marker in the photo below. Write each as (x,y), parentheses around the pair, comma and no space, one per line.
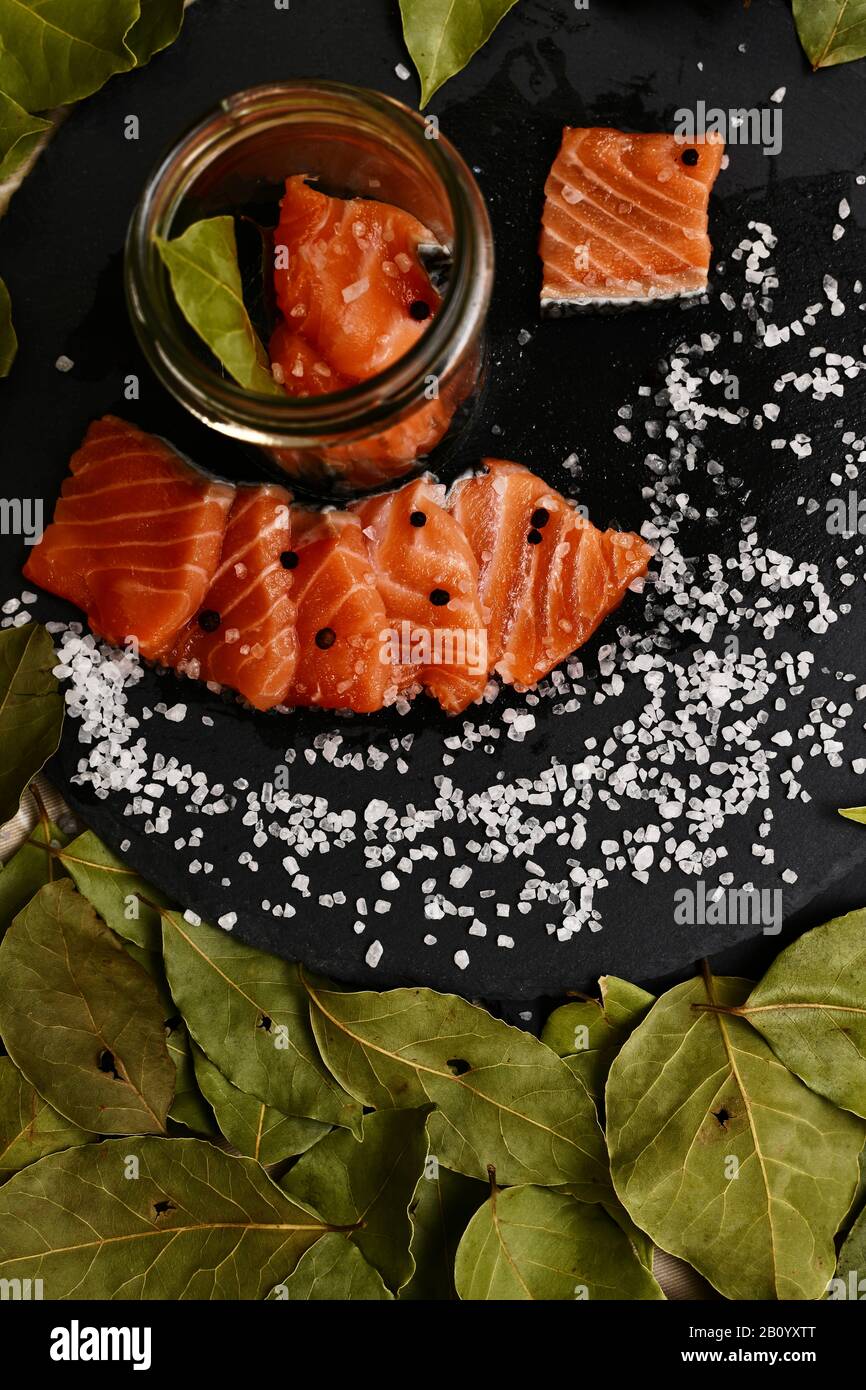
(624,64)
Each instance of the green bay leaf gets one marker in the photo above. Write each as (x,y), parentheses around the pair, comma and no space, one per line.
(81,1020)
(721,1155)
(811,1008)
(442,35)
(31,710)
(859,1200)
(334,1270)
(502,1098)
(250,1126)
(157,26)
(249,1014)
(128,904)
(57,51)
(189,1107)
(590,1034)
(29,1127)
(149,1218)
(8,340)
(20,133)
(370,1182)
(440,1211)
(831,31)
(851,1269)
(206,280)
(640,1242)
(534,1243)
(30,868)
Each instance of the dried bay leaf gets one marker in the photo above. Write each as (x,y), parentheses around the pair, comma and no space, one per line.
(811,1008)
(534,1243)
(56,51)
(442,35)
(81,1020)
(831,31)
(253,1128)
(157,26)
(590,1034)
(31,708)
(721,1155)
(20,133)
(369,1182)
(502,1098)
(599,1030)
(128,904)
(248,1012)
(851,1269)
(640,1242)
(149,1218)
(859,1200)
(189,1107)
(333,1269)
(440,1211)
(29,1127)
(206,281)
(8,340)
(28,870)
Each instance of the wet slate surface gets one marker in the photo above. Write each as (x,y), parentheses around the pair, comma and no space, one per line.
(629,65)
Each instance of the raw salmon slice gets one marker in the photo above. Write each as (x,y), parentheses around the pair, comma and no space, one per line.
(244,633)
(354,298)
(354,294)
(340,616)
(136,537)
(625,218)
(547,576)
(428,578)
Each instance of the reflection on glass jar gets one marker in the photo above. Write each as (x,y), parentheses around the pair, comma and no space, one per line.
(348,144)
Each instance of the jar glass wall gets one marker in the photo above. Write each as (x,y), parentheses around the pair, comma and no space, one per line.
(354,143)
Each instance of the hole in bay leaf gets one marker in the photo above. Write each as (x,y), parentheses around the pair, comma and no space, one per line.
(107,1064)
(722,1116)
(265,1022)
(160,1208)
(459,1065)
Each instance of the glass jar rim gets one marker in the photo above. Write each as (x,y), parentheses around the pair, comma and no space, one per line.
(266,419)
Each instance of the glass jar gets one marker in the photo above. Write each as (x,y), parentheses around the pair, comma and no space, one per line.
(357,143)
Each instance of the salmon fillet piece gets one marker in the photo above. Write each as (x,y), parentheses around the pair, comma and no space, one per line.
(427,576)
(547,576)
(341,618)
(349,290)
(136,537)
(244,633)
(625,218)
(354,298)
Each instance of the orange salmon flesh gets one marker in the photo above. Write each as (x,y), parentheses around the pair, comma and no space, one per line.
(354,298)
(626,217)
(352,609)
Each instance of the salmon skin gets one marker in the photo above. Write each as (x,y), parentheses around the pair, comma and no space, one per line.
(136,537)
(244,635)
(625,219)
(547,576)
(427,576)
(340,615)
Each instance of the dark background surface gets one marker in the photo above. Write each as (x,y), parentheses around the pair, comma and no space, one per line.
(625,64)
